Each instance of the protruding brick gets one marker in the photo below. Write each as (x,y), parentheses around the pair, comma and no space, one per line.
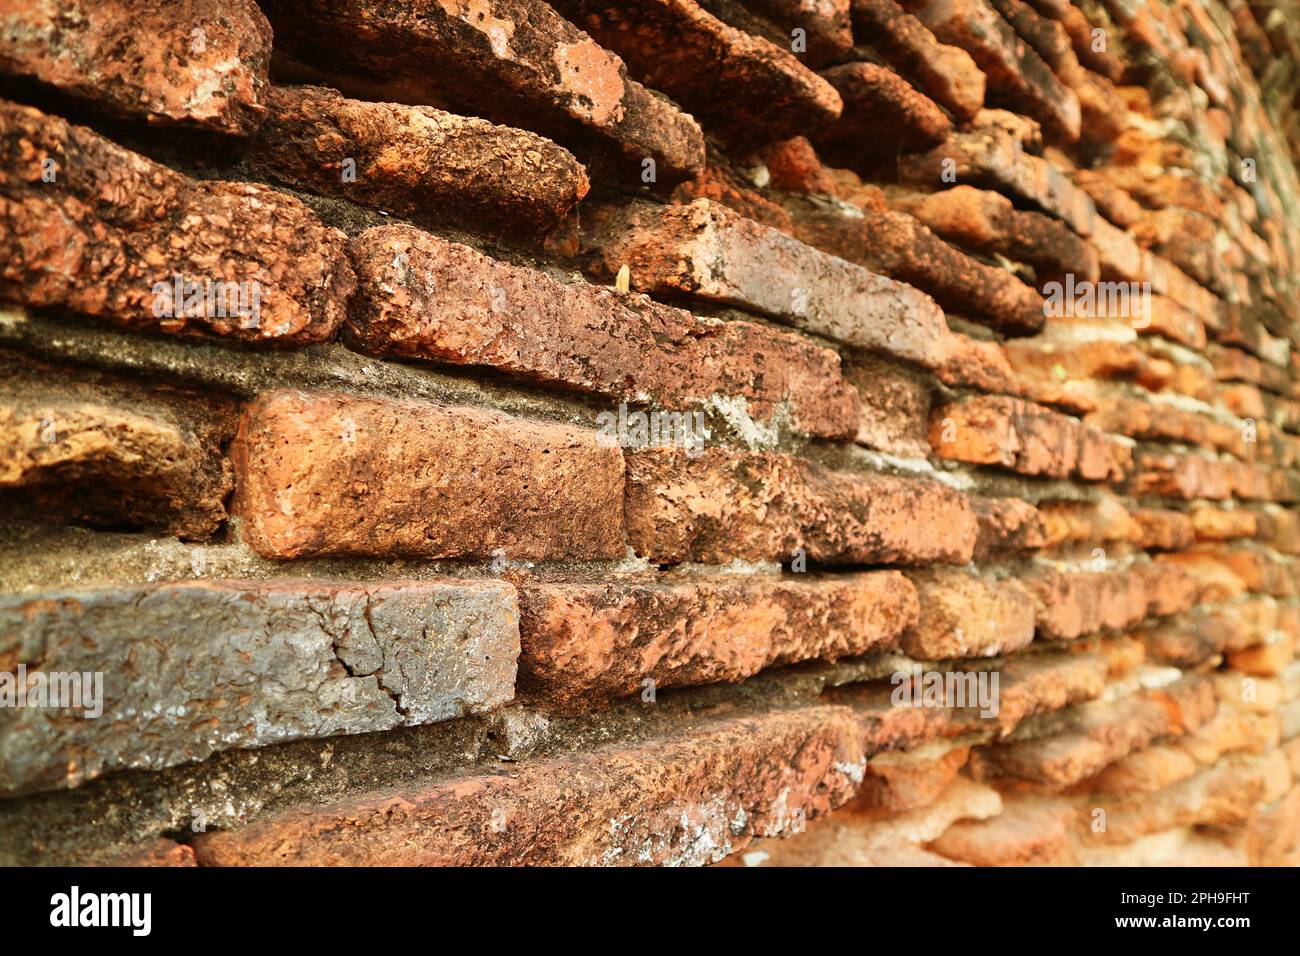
(1072,604)
(417,161)
(115,235)
(733,779)
(1096,734)
(192,669)
(897,245)
(826,24)
(738,84)
(894,406)
(707,251)
(987,222)
(882,116)
(514,61)
(332,474)
(1015,72)
(202,64)
(110,453)
(583,641)
(946,73)
(424,297)
(763,506)
(1006,525)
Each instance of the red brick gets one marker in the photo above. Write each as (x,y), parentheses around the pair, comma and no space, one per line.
(967,616)
(724,505)
(332,474)
(1006,525)
(584,641)
(882,115)
(992,430)
(1096,734)
(894,406)
(202,65)
(739,85)
(417,161)
(987,222)
(514,61)
(946,73)
(706,251)
(104,238)
(897,245)
(106,452)
(1015,72)
(690,798)
(423,297)
(826,23)
(1074,603)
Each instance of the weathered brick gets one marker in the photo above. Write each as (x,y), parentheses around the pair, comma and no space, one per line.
(1015,72)
(327,473)
(990,157)
(1006,525)
(584,641)
(190,669)
(724,505)
(1223,794)
(706,251)
(202,64)
(894,406)
(111,453)
(514,61)
(826,24)
(946,73)
(899,781)
(1163,530)
(730,780)
(897,245)
(1096,734)
(967,616)
(1074,603)
(882,115)
(740,85)
(1030,831)
(115,233)
(417,161)
(987,222)
(424,297)
(993,430)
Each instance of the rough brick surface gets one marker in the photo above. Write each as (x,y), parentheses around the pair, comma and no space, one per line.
(605,640)
(737,83)
(946,73)
(102,239)
(417,161)
(730,781)
(422,297)
(327,473)
(514,61)
(722,505)
(98,451)
(237,664)
(140,60)
(705,251)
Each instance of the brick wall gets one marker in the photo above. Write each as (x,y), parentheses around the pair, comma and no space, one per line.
(674,432)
